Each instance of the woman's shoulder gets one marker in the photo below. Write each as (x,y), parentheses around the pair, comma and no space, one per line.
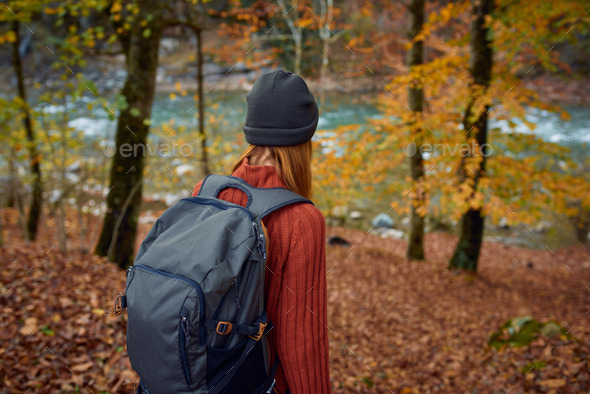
(301,216)
(308,210)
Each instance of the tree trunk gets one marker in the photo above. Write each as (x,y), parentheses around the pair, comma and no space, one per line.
(36,200)
(1,230)
(415,102)
(16,194)
(325,34)
(203,136)
(61,228)
(127,167)
(296,32)
(580,221)
(298,51)
(472,222)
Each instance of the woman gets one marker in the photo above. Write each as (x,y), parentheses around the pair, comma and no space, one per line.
(282,117)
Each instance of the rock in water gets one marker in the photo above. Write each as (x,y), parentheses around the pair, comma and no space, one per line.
(392,233)
(338,241)
(355,215)
(503,224)
(382,220)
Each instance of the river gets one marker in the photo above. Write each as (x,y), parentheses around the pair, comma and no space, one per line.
(229,108)
(339,109)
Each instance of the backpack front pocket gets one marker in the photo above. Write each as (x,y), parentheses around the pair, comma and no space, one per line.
(164,329)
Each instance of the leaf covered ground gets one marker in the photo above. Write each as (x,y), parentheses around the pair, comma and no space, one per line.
(395,326)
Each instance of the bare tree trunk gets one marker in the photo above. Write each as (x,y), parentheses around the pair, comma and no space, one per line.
(326,7)
(16,194)
(127,170)
(471,226)
(36,200)
(580,221)
(62,236)
(202,134)
(79,203)
(415,103)
(298,51)
(61,229)
(290,15)
(1,230)
(111,254)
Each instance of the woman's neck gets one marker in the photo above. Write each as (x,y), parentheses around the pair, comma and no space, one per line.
(264,158)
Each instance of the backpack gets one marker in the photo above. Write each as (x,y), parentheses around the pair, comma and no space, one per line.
(195,294)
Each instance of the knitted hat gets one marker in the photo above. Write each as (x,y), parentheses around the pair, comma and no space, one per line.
(281,110)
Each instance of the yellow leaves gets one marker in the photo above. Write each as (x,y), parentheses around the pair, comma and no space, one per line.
(172,96)
(565,116)
(98,311)
(7,37)
(116,7)
(304,22)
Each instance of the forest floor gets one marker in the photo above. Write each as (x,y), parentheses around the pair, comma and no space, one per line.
(394,325)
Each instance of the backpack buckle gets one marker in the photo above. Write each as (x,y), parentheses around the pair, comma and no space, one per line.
(261,327)
(223,327)
(119,307)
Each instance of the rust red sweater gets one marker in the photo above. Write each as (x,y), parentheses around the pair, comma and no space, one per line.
(295,286)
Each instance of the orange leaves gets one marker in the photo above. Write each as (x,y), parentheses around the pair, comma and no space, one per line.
(441,17)
(82,367)
(435,331)
(7,37)
(57,341)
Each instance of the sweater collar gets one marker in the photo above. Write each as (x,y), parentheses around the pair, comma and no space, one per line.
(259,176)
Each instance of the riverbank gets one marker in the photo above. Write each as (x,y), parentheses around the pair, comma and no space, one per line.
(177,74)
(551,88)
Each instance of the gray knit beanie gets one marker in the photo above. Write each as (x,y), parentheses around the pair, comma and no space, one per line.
(281,110)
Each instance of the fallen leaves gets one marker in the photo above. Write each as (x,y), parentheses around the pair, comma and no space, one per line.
(552,383)
(418,326)
(394,326)
(53,338)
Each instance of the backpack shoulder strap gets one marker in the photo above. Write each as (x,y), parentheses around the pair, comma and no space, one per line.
(261,201)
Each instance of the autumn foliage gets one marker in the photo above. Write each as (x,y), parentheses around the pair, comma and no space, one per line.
(393,325)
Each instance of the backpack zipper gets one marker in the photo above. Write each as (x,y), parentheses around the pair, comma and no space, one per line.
(202,334)
(235,283)
(217,203)
(184,338)
(260,242)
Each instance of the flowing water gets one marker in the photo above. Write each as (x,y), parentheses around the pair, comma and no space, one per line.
(339,109)
(228,110)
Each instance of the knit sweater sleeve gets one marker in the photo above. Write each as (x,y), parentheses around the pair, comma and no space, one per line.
(301,337)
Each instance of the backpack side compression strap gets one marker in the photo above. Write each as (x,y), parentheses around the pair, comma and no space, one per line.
(230,374)
(261,201)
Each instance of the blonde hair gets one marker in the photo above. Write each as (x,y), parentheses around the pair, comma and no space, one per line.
(293,164)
